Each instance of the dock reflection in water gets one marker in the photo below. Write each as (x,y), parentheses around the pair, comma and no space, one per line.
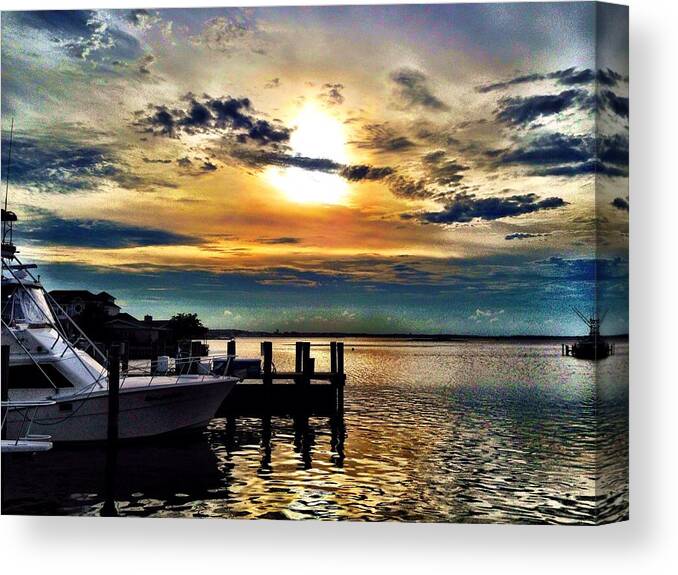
(465,432)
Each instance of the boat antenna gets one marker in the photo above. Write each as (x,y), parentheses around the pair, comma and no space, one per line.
(9,160)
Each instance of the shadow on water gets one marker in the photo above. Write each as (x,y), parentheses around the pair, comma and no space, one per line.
(177,476)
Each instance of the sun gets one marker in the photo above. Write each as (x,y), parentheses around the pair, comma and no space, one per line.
(317,135)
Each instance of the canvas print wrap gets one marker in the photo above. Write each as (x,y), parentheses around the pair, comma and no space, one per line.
(361,263)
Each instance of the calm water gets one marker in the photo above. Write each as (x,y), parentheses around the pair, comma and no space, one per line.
(460,432)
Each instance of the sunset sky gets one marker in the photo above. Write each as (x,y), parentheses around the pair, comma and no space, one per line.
(441,168)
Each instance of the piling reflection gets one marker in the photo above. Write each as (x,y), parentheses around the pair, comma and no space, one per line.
(481,433)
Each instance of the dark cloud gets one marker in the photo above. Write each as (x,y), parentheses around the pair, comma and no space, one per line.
(155,160)
(409,188)
(332,94)
(271,84)
(584,168)
(552,148)
(442,171)
(434,157)
(616,104)
(284,240)
(382,138)
(620,204)
(567,77)
(257,158)
(231,117)
(58,164)
(208,166)
(364,172)
(464,208)
(413,91)
(523,236)
(44,226)
(559,154)
(521,111)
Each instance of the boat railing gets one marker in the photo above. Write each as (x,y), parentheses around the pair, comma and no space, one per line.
(24,433)
(179,367)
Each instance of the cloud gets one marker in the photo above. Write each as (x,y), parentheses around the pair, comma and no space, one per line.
(271,84)
(256,158)
(382,138)
(332,95)
(59,164)
(566,77)
(486,315)
(145,63)
(584,168)
(284,240)
(620,204)
(142,19)
(616,104)
(523,236)
(409,188)
(520,111)
(228,32)
(413,91)
(558,154)
(230,117)
(82,34)
(550,149)
(442,171)
(464,208)
(364,172)
(47,228)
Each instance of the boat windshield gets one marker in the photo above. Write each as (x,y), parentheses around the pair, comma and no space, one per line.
(25,305)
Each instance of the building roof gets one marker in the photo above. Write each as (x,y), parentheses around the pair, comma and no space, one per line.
(133,323)
(85,295)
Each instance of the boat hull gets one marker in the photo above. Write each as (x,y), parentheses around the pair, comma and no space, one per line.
(144,412)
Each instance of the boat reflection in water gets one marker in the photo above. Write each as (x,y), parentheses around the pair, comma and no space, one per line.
(178,476)
(475,431)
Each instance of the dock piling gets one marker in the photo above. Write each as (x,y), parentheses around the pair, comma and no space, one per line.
(113,432)
(4,383)
(113,392)
(267,352)
(341,378)
(333,356)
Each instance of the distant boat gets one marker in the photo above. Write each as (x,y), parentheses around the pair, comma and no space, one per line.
(592,346)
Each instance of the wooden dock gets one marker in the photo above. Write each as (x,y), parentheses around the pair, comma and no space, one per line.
(303,391)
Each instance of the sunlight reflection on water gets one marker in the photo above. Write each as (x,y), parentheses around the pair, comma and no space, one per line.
(459,431)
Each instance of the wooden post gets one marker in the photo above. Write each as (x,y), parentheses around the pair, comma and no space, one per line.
(230,347)
(4,384)
(306,365)
(333,357)
(267,352)
(341,378)
(113,393)
(109,509)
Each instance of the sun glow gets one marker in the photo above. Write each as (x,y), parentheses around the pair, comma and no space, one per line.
(319,136)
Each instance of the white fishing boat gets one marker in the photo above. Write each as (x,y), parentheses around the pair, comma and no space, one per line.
(68,388)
